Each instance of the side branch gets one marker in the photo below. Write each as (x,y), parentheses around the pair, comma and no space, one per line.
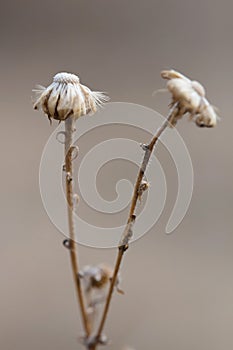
(127,234)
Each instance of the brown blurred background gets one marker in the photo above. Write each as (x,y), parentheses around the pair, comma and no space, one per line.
(178,288)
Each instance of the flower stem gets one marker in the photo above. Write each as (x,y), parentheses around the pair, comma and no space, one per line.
(123,246)
(69,131)
(110,292)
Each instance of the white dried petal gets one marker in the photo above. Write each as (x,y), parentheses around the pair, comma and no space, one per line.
(198,88)
(172,74)
(52,100)
(67,97)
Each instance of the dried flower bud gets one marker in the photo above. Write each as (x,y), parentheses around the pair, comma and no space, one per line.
(96,277)
(67,97)
(101,276)
(190,98)
(95,280)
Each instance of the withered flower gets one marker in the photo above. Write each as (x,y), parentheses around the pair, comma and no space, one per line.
(97,277)
(66,96)
(189,96)
(95,280)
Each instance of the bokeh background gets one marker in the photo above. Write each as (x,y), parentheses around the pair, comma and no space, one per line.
(178,288)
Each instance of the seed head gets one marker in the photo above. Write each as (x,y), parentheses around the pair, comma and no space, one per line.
(190,98)
(66,96)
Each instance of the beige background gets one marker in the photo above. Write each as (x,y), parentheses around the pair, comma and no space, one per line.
(178,288)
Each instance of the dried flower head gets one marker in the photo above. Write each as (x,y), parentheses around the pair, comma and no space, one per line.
(97,277)
(95,280)
(189,96)
(66,96)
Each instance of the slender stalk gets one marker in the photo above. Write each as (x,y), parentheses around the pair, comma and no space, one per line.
(92,347)
(123,246)
(69,130)
(110,292)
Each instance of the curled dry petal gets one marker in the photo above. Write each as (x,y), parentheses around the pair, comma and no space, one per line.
(172,74)
(66,96)
(198,88)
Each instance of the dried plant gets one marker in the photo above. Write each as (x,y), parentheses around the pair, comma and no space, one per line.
(66,100)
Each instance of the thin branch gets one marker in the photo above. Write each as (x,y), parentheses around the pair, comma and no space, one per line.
(69,130)
(92,347)
(127,234)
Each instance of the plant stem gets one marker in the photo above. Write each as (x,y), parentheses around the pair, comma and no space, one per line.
(69,131)
(123,246)
(110,292)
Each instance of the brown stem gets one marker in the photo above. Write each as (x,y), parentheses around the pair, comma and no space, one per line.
(69,130)
(131,217)
(92,347)
(110,292)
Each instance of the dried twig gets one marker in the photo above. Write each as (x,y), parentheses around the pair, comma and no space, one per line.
(66,99)
(127,234)
(69,130)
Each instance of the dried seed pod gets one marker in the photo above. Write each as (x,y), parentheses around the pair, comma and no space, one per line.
(66,96)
